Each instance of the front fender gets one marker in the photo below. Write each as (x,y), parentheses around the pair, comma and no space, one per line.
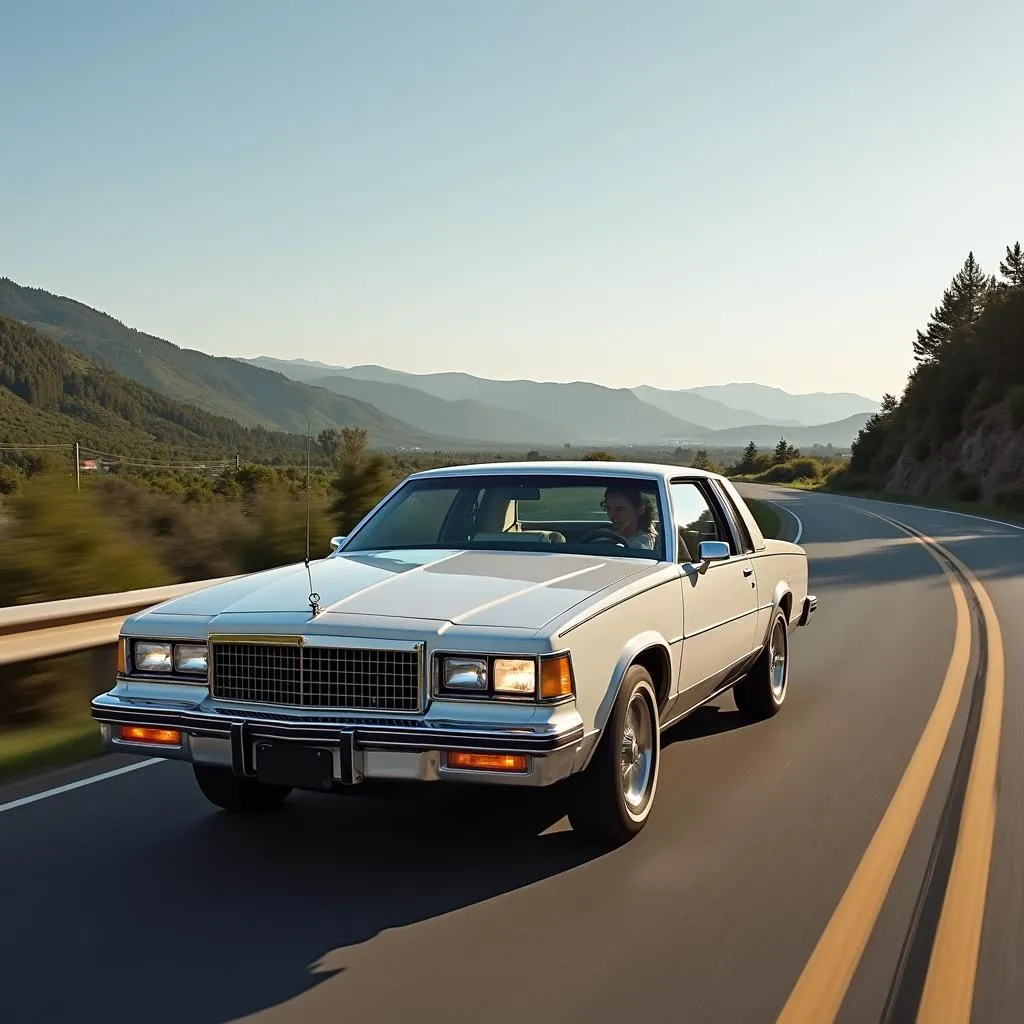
(648,640)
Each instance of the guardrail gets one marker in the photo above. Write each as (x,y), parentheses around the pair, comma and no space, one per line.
(44,630)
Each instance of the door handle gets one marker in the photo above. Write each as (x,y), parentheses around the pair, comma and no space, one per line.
(748,571)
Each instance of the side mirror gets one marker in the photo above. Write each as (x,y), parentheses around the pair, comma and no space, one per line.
(336,543)
(711,551)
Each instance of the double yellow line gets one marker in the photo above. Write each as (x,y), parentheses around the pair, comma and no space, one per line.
(949,984)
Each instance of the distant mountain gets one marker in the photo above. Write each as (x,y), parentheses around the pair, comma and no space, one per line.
(714,415)
(464,418)
(768,404)
(840,434)
(585,413)
(226,387)
(50,394)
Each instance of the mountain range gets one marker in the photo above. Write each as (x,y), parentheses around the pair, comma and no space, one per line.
(444,411)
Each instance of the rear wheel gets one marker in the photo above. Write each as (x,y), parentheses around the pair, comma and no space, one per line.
(612,799)
(242,796)
(762,692)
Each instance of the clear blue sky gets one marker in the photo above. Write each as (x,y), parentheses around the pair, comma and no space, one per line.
(664,193)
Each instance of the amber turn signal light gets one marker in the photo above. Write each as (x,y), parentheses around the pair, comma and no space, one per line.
(555,677)
(487,762)
(143,734)
(122,656)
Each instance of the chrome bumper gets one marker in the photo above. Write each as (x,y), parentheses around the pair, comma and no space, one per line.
(810,607)
(362,747)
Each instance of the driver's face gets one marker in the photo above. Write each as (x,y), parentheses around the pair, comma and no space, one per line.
(622,515)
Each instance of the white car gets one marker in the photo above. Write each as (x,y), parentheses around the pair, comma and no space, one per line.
(524,624)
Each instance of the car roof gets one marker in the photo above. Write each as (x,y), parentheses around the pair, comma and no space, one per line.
(566,468)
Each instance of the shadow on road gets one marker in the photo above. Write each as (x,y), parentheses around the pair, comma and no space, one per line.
(219,917)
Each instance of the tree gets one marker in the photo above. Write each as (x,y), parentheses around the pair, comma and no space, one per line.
(1012,268)
(889,403)
(702,460)
(955,318)
(784,451)
(363,478)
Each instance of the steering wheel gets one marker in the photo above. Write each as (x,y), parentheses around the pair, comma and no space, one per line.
(605,533)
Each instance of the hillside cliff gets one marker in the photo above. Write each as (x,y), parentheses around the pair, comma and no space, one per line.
(958,430)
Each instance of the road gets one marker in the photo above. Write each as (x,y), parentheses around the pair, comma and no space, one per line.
(130,900)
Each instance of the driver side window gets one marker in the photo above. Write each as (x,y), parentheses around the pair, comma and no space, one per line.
(695,520)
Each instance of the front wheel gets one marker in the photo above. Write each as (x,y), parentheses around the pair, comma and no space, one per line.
(762,692)
(242,796)
(612,799)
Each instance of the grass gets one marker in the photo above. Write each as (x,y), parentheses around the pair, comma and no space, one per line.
(48,746)
(768,519)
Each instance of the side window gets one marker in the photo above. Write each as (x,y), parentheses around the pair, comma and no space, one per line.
(695,520)
(746,541)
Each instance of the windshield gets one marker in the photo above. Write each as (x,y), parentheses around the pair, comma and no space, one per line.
(577,514)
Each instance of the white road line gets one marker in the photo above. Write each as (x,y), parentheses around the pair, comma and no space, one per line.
(46,794)
(799,521)
(944,512)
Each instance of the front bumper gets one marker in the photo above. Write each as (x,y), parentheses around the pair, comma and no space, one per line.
(406,749)
(809,608)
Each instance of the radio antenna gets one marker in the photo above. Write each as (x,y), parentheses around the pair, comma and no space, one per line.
(314,597)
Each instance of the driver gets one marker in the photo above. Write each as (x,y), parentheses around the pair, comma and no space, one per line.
(630,515)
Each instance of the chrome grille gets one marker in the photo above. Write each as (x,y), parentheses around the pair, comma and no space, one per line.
(356,678)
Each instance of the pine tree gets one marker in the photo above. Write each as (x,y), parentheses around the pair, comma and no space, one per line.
(750,454)
(1012,268)
(781,453)
(955,317)
(702,460)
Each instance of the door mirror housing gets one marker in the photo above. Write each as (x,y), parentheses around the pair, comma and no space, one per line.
(336,542)
(711,551)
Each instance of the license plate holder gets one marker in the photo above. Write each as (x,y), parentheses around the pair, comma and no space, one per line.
(295,764)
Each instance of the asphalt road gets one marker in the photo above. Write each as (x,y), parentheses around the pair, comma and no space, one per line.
(130,900)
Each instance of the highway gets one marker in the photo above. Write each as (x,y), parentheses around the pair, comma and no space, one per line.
(804,869)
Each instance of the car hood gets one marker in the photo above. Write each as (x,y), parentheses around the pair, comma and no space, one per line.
(473,588)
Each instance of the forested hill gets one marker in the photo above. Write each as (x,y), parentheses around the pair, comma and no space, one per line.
(225,387)
(49,394)
(958,429)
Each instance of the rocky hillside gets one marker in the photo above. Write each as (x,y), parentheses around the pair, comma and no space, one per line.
(958,430)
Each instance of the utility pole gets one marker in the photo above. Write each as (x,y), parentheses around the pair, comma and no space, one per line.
(78,469)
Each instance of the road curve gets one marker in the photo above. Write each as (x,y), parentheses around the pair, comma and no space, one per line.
(130,900)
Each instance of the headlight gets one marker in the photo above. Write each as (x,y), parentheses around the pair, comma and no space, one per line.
(465,674)
(151,657)
(161,658)
(190,658)
(515,675)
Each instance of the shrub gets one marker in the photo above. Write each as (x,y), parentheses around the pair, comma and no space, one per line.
(1010,497)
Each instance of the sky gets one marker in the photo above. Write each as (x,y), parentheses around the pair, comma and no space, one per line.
(676,194)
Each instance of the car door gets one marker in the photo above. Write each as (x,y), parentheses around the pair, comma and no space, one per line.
(720,603)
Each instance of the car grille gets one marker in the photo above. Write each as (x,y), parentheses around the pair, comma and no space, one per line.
(324,677)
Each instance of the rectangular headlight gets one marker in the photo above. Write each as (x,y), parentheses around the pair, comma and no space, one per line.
(190,659)
(465,674)
(515,676)
(151,657)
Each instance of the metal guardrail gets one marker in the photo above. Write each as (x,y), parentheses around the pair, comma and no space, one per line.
(49,628)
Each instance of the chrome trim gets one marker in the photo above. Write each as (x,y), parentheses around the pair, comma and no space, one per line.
(498,739)
(724,622)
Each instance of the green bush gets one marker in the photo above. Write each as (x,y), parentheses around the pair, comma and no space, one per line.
(1010,497)
(62,543)
(1016,397)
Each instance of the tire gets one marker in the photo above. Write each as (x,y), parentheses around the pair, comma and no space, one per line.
(606,805)
(762,692)
(240,796)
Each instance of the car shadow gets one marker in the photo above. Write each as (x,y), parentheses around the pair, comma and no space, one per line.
(186,910)
(709,720)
